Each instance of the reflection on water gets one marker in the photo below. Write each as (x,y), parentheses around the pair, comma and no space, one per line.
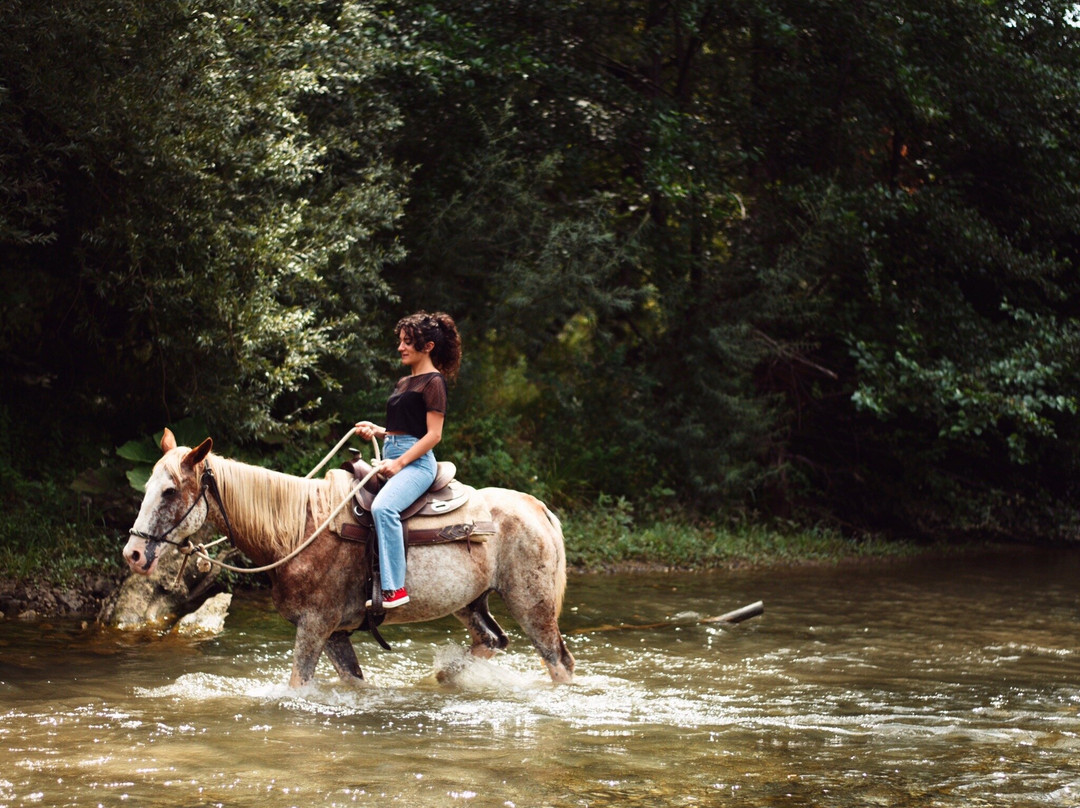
(929,683)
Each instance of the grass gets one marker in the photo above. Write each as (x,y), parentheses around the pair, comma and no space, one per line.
(609,536)
(62,559)
(46,539)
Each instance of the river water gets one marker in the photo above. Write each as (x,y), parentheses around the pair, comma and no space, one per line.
(936,682)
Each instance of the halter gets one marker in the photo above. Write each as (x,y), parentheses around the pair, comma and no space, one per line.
(207,483)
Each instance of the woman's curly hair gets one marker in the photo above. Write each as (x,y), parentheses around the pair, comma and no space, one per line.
(421,328)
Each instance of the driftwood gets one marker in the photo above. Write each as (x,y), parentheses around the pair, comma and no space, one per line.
(732,617)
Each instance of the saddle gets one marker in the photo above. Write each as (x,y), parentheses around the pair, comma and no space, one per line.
(445,495)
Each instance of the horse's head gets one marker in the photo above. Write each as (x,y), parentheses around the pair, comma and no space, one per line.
(174,506)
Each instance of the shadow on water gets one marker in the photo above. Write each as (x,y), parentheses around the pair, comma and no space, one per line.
(919,683)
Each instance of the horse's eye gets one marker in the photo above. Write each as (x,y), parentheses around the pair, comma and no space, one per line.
(169,493)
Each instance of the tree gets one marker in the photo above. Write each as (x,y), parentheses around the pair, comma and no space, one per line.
(196,197)
(838,241)
(816,257)
(923,190)
(554,204)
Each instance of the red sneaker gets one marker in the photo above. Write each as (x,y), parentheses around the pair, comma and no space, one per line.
(391,600)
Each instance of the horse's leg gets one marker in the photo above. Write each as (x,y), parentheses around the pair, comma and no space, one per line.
(487,635)
(343,656)
(531,577)
(542,628)
(311,638)
(537,617)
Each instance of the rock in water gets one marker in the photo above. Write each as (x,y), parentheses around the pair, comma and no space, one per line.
(158,600)
(207,619)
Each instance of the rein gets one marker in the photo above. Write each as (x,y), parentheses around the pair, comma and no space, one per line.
(209,483)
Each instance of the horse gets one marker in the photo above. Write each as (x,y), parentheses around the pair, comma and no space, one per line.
(321,590)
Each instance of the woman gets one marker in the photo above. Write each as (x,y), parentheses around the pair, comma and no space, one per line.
(430,347)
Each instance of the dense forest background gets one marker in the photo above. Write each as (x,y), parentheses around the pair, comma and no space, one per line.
(810,260)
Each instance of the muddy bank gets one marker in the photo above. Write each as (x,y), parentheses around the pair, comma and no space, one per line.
(84,597)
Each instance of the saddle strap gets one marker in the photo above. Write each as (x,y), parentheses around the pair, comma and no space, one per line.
(379,637)
(473,531)
(371,622)
(354,532)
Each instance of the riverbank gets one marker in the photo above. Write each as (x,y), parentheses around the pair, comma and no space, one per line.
(32,600)
(32,587)
(60,559)
(612,539)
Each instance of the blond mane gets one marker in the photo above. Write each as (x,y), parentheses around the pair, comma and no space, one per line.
(268,508)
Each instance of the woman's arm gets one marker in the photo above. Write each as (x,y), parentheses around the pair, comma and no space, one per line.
(368,430)
(430,440)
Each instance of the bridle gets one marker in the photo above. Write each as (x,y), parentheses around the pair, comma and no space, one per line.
(208,484)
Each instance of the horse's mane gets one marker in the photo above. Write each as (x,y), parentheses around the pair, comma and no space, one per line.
(268,508)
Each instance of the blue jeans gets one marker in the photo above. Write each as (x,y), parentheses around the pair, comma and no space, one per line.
(398,493)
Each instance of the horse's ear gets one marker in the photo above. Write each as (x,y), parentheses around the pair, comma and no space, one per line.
(196,455)
(168,441)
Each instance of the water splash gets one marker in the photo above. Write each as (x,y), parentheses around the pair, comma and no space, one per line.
(454,667)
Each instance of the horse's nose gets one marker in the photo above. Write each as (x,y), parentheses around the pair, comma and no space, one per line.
(136,556)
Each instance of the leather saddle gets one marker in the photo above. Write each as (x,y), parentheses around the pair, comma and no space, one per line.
(445,495)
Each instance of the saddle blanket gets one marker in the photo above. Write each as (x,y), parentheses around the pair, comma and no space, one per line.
(418,530)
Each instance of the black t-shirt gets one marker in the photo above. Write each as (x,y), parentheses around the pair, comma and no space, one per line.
(413,398)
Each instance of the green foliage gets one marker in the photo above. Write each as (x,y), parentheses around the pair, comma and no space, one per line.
(608,534)
(60,558)
(814,259)
(580,206)
(214,223)
(146,452)
(1013,398)
(49,533)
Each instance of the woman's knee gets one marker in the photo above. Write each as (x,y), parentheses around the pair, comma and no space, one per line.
(384,510)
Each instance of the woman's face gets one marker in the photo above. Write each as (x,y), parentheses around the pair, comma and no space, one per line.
(411,356)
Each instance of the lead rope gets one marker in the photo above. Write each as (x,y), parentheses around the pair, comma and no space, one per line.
(203,558)
(337,449)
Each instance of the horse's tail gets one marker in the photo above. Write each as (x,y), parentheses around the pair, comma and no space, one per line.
(560,566)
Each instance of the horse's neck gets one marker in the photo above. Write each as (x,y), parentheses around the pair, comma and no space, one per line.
(217,515)
(264,511)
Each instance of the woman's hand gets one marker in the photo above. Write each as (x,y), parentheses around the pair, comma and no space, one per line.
(389,468)
(366,429)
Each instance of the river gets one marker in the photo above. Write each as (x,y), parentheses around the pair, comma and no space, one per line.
(930,682)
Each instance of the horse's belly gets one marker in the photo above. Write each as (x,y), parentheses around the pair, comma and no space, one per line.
(442,579)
